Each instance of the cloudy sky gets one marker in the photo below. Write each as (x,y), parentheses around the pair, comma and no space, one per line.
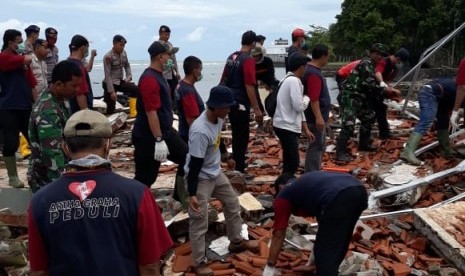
(207,29)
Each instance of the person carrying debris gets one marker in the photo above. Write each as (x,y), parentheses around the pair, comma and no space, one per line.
(92,221)
(358,97)
(335,199)
(436,100)
(205,179)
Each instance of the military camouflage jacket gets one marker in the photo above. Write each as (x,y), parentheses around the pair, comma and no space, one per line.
(48,118)
(361,81)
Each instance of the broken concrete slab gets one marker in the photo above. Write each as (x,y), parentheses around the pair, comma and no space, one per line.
(427,223)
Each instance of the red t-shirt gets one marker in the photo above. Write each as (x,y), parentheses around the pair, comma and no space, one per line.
(313,88)
(150,93)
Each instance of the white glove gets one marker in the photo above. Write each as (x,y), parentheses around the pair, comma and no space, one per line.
(454,118)
(269,271)
(161,151)
(383,84)
(305,101)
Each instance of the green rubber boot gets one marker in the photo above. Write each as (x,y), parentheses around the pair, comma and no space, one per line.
(408,154)
(444,143)
(13,179)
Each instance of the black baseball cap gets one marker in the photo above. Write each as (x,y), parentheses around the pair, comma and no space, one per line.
(157,48)
(164,28)
(296,60)
(32,29)
(50,31)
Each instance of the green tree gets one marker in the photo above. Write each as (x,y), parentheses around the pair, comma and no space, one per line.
(413,24)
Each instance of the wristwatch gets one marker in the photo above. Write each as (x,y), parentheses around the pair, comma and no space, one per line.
(158,138)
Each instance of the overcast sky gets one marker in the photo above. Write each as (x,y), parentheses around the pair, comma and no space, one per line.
(208,29)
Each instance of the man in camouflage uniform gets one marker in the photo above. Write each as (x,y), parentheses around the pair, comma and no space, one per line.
(358,97)
(48,119)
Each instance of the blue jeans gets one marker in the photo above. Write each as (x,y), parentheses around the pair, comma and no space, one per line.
(430,108)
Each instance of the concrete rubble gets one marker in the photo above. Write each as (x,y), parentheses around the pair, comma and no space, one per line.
(391,244)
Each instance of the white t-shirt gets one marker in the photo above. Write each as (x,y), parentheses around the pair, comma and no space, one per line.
(204,142)
(290,105)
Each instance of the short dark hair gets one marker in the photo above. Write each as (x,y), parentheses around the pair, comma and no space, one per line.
(248,38)
(82,143)
(38,43)
(9,35)
(191,63)
(319,50)
(65,71)
(282,181)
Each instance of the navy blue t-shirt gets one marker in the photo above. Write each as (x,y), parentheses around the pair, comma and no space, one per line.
(189,104)
(88,223)
(311,192)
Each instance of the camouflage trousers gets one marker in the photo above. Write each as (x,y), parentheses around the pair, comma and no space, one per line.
(355,107)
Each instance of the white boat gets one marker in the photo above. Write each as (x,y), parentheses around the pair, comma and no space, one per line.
(278,51)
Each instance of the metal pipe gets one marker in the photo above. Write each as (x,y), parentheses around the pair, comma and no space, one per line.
(432,49)
(418,182)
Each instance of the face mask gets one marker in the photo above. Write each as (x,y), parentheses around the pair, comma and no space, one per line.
(21,49)
(86,54)
(303,44)
(199,77)
(168,65)
(399,65)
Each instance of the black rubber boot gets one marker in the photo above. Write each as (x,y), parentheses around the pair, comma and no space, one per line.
(341,150)
(364,142)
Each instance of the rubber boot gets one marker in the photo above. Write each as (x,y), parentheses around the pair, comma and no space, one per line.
(180,191)
(364,141)
(13,179)
(132,107)
(341,150)
(444,143)
(24,147)
(408,154)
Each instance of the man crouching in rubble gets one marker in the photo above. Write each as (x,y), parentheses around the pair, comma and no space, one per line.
(205,179)
(335,199)
(92,221)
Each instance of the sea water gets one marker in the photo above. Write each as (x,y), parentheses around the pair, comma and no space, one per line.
(211,72)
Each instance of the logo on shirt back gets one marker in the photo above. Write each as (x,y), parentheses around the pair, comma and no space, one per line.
(82,190)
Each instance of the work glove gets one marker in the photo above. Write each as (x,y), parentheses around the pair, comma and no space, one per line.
(161,151)
(269,271)
(454,118)
(383,84)
(305,101)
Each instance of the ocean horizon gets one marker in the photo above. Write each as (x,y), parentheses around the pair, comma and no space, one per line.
(211,72)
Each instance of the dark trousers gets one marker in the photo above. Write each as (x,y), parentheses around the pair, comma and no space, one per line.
(381,117)
(335,227)
(173,83)
(147,167)
(128,88)
(290,144)
(12,122)
(240,136)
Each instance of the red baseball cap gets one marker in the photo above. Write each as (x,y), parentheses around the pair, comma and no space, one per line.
(298,33)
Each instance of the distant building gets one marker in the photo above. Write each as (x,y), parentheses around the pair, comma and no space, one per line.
(278,51)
